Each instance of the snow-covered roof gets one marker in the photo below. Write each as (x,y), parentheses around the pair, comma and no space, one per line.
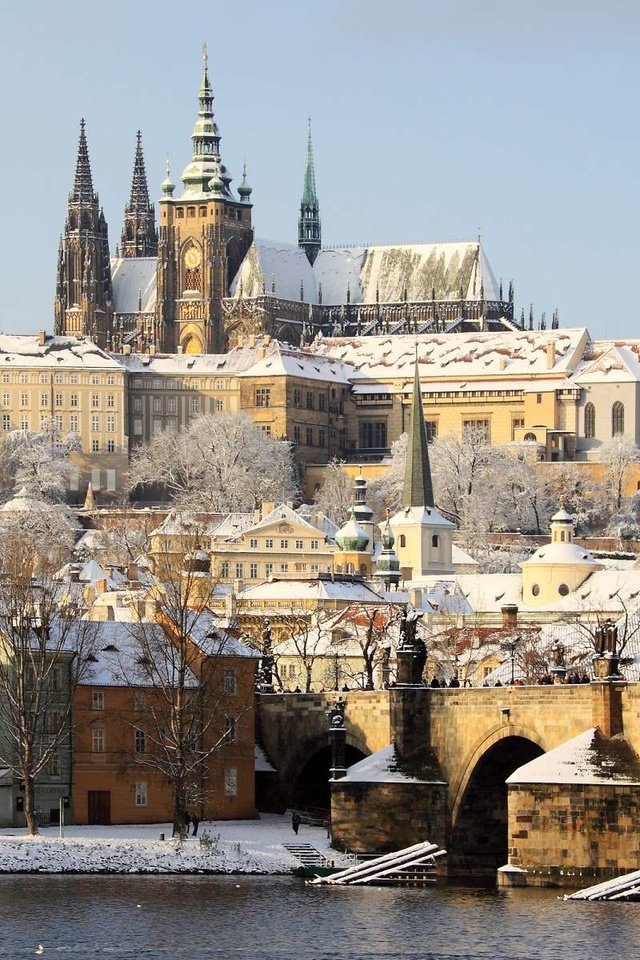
(457,356)
(559,554)
(349,591)
(419,270)
(120,651)
(610,361)
(56,353)
(282,265)
(589,758)
(281,359)
(277,515)
(134,282)
(184,364)
(385,766)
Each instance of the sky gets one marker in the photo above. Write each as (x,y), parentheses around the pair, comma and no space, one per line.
(432,121)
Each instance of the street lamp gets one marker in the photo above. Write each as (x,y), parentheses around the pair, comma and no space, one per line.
(512,644)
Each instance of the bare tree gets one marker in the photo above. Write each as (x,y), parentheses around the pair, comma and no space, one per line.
(221,463)
(38,461)
(374,630)
(305,636)
(179,651)
(43,656)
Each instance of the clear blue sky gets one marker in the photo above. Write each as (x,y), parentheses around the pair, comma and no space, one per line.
(432,120)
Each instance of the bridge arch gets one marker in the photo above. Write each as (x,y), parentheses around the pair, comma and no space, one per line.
(306,774)
(479,826)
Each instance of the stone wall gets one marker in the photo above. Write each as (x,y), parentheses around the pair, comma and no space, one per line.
(382,817)
(561,832)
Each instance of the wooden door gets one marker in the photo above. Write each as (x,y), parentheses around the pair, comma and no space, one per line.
(99,806)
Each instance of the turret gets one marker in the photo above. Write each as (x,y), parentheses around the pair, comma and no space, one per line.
(139,234)
(206,167)
(309,227)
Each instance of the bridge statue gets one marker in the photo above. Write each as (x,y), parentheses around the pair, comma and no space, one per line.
(412,650)
(337,739)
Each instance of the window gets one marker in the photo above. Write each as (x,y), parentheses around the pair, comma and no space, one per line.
(309,400)
(230,683)
(239,568)
(435,540)
(95,446)
(53,766)
(97,700)
(141,794)
(538,398)
(111,446)
(6,378)
(230,781)
(219,406)
(402,541)
(139,701)
(230,729)
(24,422)
(266,428)
(284,568)
(111,379)
(58,378)
(140,741)
(299,544)
(73,378)
(97,740)
(157,404)
(73,400)
(322,401)
(94,379)
(476,431)
(589,420)
(263,396)
(314,544)
(195,404)
(516,424)
(373,435)
(43,378)
(309,437)
(617,419)
(24,399)
(111,423)
(58,400)
(296,434)
(218,385)
(284,544)
(322,438)
(44,399)
(171,405)
(137,404)
(95,423)
(269,544)
(432,430)
(6,421)
(253,571)
(253,543)
(268,570)
(224,570)
(297,397)
(95,400)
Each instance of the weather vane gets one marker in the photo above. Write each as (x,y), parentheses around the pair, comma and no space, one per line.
(205,52)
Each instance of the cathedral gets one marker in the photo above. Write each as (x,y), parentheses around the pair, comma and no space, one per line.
(198,282)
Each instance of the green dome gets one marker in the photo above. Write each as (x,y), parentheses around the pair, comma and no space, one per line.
(351,537)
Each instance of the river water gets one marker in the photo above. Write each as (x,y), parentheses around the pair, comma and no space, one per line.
(278,918)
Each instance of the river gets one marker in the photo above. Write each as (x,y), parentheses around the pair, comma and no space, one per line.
(279,918)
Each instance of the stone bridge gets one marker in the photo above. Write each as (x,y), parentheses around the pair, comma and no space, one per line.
(479,736)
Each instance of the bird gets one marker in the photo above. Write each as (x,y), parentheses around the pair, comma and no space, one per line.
(39,949)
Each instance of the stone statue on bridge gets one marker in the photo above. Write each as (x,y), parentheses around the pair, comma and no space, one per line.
(412,650)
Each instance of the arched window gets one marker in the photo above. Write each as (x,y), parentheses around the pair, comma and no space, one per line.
(589,420)
(403,540)
(435,540)
(617,419)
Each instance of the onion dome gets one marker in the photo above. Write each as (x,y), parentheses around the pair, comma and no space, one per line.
(351,537)
(244,190)
(387,565)
(167,185)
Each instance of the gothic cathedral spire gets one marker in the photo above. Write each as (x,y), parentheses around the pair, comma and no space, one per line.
(418,488)
(309,227)
(83,305)
(139,234)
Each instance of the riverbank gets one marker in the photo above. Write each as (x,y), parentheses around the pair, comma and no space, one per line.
(235,846)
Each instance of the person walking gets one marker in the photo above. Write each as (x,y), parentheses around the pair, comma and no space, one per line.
(195,820)
(295,823)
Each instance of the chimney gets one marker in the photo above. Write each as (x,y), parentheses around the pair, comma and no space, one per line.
(150,609)
(42,337)
(132,573)
(509,616)
(252,341)
(126,350)
(266,507)
(101,585)
(551,355)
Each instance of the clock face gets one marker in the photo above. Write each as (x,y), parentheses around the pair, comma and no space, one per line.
(192,258)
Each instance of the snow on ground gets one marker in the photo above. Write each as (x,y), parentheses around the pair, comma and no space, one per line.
(229,846)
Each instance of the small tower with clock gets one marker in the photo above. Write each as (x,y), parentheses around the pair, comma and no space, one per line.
(204,235)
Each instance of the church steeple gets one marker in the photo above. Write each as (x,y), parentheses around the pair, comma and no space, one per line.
(309,227)
(206,173)
(418,488)
(139,234)
(83,303)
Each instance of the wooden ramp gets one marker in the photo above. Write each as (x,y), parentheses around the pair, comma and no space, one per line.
(413,866)
(621,888)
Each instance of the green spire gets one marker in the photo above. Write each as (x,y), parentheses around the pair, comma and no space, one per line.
(309,195)
(418,489)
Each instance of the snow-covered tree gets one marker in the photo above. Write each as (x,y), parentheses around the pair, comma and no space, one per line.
(336,493)
(38,462)
(583,496)
(221,463)
(618,455)
(386,491)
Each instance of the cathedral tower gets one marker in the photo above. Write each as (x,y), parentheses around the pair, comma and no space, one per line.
(203,237)
(309,229)
(83,304)
(139,234)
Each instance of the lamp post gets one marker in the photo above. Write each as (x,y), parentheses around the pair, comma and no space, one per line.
(513,643)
